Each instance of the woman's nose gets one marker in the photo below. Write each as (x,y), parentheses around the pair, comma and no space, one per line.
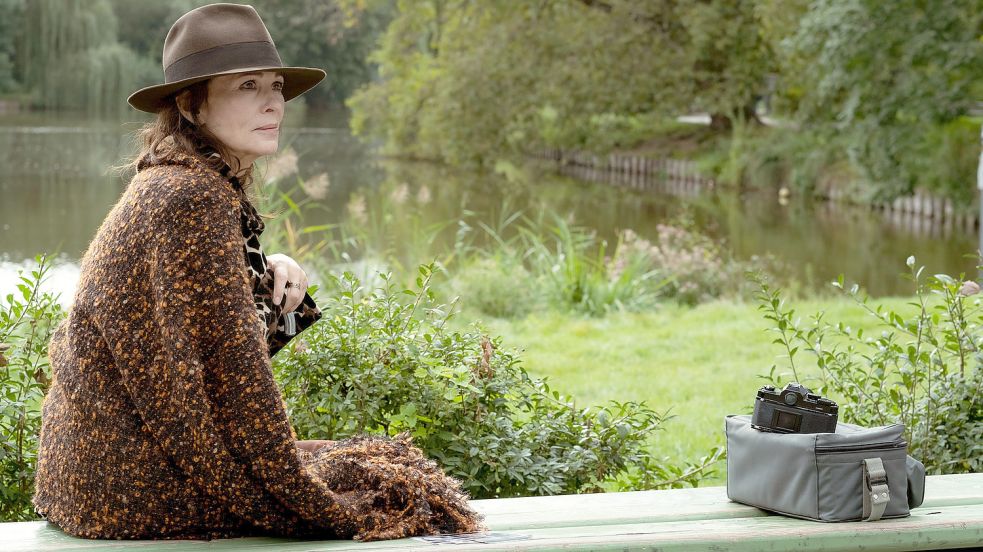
(274,101)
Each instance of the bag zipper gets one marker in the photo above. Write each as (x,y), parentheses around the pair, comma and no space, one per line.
(899,444)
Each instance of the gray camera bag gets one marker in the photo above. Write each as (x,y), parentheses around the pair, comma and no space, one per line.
(854,474)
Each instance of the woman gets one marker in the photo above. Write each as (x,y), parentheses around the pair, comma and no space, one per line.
(163,419)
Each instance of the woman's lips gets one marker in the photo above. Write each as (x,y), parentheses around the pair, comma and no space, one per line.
(269,128)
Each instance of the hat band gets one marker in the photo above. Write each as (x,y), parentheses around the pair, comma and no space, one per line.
(223,58)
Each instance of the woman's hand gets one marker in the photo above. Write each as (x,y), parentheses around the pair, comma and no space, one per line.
(286,270)
(312,446)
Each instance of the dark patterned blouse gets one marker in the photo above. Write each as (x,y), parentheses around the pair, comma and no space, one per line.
(281,327)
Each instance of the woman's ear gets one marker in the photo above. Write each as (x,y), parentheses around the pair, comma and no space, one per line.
(182,100)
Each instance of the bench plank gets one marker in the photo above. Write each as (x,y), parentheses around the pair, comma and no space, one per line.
(943,528)
(679,519)
(673,505)
(612,508)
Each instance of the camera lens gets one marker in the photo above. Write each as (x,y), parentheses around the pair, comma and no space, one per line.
(789,398)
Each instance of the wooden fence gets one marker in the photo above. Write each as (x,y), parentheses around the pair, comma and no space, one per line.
(673,176)
(921,213)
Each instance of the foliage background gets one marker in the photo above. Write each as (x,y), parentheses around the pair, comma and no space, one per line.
(880,88)
(91,54)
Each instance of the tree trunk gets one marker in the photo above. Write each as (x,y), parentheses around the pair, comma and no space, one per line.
(721,122)
(724,122)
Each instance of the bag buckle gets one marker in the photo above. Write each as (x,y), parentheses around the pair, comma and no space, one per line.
(874,480)
(876,492)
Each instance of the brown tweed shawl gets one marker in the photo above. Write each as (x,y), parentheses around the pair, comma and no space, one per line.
(163,419)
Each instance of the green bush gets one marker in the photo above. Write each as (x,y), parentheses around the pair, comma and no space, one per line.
(941,159)
(497,286)
(557,265)
(922,370)
(695,268)
(947,158)
(27,320)
(549,263)
(377,364)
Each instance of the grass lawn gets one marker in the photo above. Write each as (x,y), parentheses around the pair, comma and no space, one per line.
(700,363)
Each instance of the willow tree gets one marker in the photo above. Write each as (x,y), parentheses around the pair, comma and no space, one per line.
(13,13)
(69,57)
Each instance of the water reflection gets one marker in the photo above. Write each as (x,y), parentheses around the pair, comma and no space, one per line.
(816,241)
(60,280)
(55,189)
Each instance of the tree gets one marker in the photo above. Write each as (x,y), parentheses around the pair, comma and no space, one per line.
(334,36)
(13,17)
(885,74)
(467,82)
(68,56)
(730,59)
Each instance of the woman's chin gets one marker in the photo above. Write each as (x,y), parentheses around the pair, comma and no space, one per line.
(266,149)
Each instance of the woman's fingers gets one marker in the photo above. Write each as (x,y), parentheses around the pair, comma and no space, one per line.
(301,288)
(298,287)
(295,296)
(280,274)
(286,270)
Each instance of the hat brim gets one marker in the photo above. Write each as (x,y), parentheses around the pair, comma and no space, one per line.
(296,81)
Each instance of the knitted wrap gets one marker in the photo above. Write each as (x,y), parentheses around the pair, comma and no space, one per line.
(163,419)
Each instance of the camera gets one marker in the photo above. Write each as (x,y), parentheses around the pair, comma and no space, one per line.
(794,409)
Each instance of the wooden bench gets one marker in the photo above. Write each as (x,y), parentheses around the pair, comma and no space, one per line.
(685,519)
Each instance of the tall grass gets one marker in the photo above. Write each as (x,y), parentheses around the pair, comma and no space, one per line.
(518,262)
(572,268)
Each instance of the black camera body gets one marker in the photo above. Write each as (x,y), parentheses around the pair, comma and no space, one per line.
(794,409)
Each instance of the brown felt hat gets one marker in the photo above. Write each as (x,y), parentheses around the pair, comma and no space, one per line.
(220,39)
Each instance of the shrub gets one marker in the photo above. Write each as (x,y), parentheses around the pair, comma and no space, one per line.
(922,370)
(27,321)
(695,267)
(376,364)
(941,158)
(565,267)
(548,262)
(946,160)
(497,286)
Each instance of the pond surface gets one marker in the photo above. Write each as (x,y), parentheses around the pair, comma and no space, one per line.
(56,187)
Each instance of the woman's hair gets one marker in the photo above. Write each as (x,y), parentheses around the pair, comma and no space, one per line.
(170,133)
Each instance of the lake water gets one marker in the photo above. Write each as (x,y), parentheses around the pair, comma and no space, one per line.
(56,188)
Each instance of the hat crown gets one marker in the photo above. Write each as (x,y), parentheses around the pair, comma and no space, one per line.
(210,27)
(219,39)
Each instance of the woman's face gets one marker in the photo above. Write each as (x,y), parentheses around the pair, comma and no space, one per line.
(243,111)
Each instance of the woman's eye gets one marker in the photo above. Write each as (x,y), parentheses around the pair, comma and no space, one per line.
(251,84)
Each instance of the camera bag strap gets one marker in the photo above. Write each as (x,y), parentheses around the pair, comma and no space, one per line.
(875,491)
